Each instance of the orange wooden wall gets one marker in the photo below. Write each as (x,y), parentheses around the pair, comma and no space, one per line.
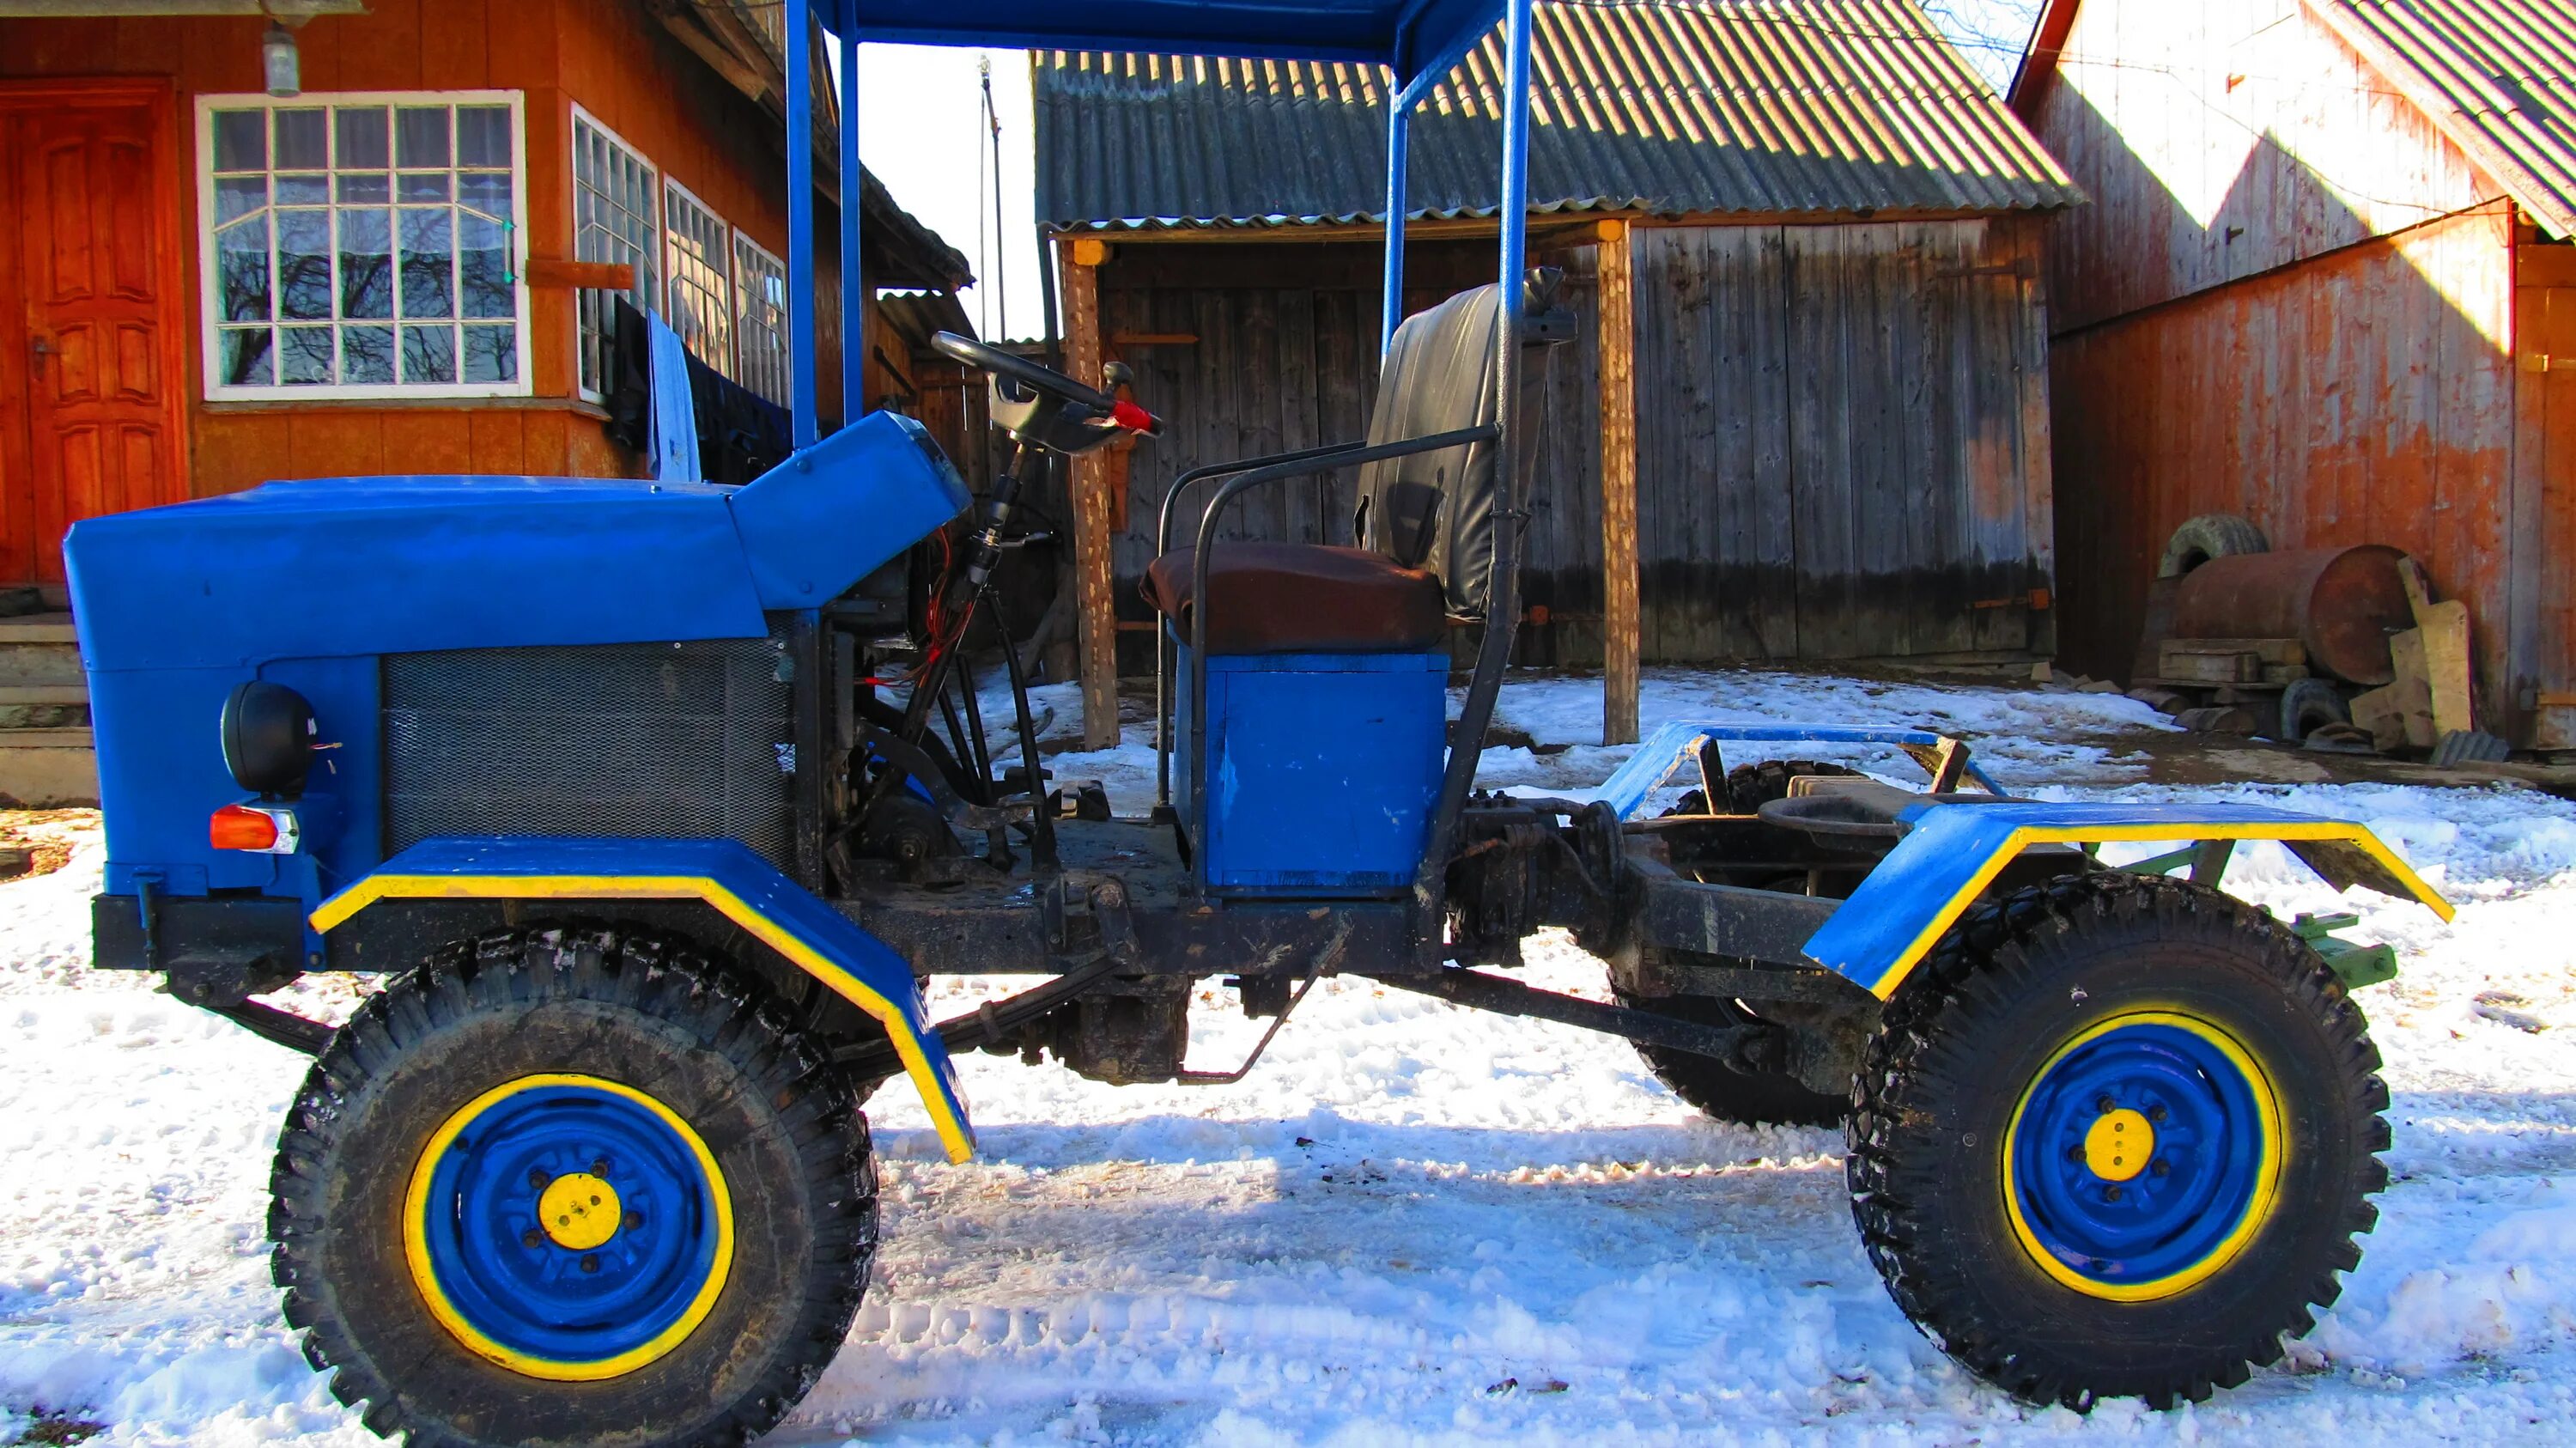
(2362,397)
(609,56)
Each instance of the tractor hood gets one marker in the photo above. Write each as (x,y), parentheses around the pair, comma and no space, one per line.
(337,567)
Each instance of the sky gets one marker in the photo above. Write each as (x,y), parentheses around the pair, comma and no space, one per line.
(922,130)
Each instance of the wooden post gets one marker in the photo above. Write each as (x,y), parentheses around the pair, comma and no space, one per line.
(1095,578)
(1615,270)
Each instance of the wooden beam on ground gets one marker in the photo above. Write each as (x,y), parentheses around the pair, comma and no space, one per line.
(1616,291)
(1095,583)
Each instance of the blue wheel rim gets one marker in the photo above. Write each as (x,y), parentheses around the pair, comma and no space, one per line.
(2143,1157)
(528,1286)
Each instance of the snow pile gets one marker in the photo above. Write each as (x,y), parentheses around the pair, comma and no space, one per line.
(1413,1224)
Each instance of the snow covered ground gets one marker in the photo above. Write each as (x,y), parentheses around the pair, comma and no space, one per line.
(1414,1224)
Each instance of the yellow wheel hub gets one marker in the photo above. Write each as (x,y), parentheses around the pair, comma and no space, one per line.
(2116,1147)
(579,1211)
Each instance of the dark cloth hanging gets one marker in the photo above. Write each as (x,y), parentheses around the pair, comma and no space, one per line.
(741,434)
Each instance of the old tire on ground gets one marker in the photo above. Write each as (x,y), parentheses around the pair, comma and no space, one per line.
(2308,704)
(1770,1097)
(1995,1157)
(572,1186)
(1751,786)
(2210,535)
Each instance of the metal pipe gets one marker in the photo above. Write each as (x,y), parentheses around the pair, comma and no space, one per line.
(854,291)
(1502,600)
(1399,130)
(800,227)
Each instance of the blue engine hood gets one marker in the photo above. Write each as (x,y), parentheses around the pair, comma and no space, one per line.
(338,567)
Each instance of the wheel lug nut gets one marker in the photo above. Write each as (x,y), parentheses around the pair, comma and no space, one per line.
(2074,1153)
(2156,1114)
(537,1177)
(2111,1194)
(634,1220)
(2161,1168)
(590,1263)
(2103,1105)
(531,1238)
(599,1166)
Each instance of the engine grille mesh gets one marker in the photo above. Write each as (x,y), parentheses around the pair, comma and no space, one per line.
(663,739)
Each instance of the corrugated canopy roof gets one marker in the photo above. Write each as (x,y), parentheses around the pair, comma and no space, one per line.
(1674,107)
(2498,76)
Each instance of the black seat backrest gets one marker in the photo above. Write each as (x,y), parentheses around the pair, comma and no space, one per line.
(1436,510)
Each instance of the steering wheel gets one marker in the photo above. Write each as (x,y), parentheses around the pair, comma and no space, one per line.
(1063,414)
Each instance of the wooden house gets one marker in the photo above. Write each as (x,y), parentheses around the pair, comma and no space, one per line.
(1803,240)
(206,286)
(2325,284)
(408,265)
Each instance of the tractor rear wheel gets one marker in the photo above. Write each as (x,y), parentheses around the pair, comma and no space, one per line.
(2115,1138)
(572,1186)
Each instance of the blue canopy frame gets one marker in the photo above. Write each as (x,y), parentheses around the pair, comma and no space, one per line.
(1418,40)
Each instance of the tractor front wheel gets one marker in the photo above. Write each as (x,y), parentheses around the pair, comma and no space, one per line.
(2115,1138)
(572,1186)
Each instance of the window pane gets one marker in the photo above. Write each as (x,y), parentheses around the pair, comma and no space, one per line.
(367,265)
(302,142)
(241,140)
(487,192)
(362,138)
(304,264)
(241,252)
(420,136)
(428,273)
(366,186)
(483,251)
(239,196)
(429,354)
(247,362)
(367,355)
(492,354)
(422,185)
(304,354)
(483,136)
(303,189)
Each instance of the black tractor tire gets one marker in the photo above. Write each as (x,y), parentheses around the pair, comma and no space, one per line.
(2210,535)
(635,1016)
(2306,706)
(1769,1098)
(1751,786)
(1969,1052)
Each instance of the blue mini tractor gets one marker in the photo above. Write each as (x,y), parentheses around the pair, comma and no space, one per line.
(654,804)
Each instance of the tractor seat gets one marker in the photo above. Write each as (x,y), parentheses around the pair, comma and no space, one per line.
(1303,598)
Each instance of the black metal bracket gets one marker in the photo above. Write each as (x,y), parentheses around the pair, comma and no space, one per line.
(1733,1046)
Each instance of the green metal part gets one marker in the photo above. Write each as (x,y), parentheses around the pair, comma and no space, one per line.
(2353,963)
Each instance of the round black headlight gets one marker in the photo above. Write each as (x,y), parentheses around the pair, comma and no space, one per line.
(268,738)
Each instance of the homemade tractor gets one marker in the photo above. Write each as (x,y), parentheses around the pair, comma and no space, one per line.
(656,803)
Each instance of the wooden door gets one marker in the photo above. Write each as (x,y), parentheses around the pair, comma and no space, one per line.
(91,317)
(2542,653)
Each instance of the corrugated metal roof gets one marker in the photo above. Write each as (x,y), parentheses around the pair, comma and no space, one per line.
(2498,76)
(1673,107)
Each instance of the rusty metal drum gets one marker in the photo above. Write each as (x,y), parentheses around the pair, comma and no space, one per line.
(2341,604)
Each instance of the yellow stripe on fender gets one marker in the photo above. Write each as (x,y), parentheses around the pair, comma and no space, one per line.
(449,877)
(1955,851)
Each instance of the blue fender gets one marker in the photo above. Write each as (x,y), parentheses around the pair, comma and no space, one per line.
(1952,852)
(738,884)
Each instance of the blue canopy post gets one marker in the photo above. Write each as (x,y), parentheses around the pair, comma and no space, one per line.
(1399,130)
(800,226)
(854,291)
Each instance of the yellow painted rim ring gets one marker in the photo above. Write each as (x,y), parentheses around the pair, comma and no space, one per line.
(424,1276)
(2269,1167)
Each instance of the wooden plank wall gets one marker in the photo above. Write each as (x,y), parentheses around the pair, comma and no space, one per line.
(613,59)
(1842,429)
(2362,397)
(2219,139)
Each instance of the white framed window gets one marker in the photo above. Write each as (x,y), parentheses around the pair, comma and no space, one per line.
(697,256)
(615,217)
(760,318)
(360,245)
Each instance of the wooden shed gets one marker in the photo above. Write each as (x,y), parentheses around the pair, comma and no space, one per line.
(1807,418)
(2325,284)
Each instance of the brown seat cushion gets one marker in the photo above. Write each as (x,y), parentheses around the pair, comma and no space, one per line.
(1295,598)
